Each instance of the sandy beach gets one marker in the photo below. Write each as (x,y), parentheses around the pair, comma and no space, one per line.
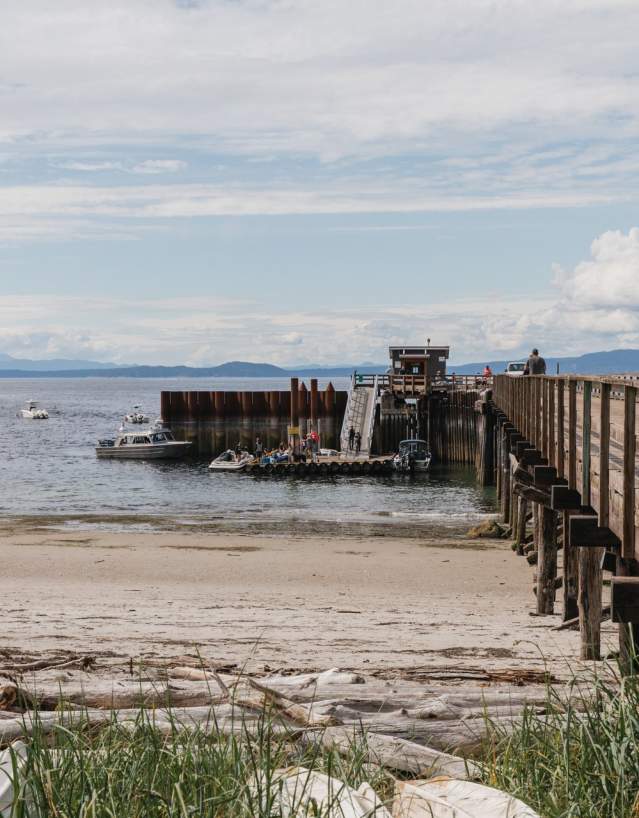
(277,602)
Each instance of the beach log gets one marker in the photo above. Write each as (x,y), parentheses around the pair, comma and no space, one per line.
(395,753)
(111,694)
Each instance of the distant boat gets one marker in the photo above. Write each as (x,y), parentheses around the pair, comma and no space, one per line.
(136,416)
(154,443)
(32,411)
(229,461)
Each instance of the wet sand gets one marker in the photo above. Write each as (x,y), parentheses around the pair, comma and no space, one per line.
(277,602)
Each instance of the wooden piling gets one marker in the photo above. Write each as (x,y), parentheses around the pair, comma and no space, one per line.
(571,572)
(546,560)
(295,407)
(314,403)
(522,510)
(219,404)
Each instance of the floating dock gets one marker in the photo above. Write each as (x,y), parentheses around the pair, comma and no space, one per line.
(326,467)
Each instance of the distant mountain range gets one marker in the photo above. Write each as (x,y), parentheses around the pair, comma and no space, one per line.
(593,363)
(49,364)
(612,362)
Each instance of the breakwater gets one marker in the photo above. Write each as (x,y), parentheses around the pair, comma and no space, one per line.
(447,418)
(214,420)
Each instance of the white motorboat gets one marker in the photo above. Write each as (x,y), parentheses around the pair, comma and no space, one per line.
(32,411)
(137,416)
(230,461)
(413,456)
(154,443)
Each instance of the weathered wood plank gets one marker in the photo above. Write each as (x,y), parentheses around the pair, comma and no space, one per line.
(629,467)
(624,599)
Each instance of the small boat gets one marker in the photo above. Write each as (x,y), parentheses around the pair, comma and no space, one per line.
(32,411)
(154,443)
(136,416)
(413,456)
(230,461)
(444,797)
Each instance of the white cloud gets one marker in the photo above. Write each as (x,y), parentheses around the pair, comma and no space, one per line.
(323,76)
(293,338)
(610,278)
(211,330)
(453,94)
(155,166)
(89,166)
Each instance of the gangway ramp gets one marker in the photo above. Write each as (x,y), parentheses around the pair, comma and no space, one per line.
(360,412)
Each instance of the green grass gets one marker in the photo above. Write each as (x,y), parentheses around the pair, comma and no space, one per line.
(136,772)
(578,760)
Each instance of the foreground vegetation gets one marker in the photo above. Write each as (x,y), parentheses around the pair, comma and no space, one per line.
(579,760)
(134,771)
(574,761)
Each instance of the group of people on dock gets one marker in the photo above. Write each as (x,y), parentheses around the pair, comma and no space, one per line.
(303,449)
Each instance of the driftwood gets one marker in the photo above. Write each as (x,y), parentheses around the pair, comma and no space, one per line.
(82,662)
(249,693)
(573,623)
(394,753)
(113,694)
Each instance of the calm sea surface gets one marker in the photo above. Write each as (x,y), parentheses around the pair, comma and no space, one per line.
(49,469)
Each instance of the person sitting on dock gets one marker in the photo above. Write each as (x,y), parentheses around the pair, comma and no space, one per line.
(535,365)
(351,437)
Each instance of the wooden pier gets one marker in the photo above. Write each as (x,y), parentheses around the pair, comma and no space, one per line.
(565,451)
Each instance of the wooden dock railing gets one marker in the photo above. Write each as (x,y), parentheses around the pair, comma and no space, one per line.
(567,447)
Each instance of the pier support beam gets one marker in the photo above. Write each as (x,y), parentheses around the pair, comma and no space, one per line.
(506,483)
(589,599)
(625,611)
(546,560)
(520,536)
(571,572)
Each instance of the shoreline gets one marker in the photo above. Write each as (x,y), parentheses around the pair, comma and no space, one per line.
(308,602)
(379,524)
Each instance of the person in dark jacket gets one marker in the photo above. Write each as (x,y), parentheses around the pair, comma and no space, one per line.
(535,365)
(358,442)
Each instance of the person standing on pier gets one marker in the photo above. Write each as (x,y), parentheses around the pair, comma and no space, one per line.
(358,443)
(259,448)
(535,365)
(351,437)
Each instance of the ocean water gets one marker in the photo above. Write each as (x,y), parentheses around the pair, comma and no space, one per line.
(49,470)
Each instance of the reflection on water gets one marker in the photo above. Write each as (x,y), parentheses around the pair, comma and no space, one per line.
(50,469)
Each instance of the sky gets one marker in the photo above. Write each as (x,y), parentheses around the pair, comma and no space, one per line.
(309,181)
